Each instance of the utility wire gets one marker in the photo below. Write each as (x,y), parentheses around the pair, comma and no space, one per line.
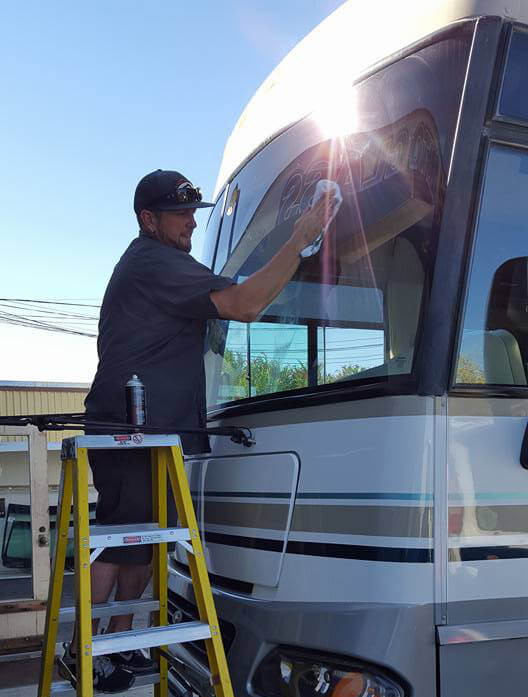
(45,315)
(47,302)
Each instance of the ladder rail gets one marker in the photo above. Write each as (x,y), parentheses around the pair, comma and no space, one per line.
(83,598)
(200,577)
(159,561)
(56,580)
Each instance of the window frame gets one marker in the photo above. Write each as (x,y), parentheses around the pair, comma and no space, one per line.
(497,129)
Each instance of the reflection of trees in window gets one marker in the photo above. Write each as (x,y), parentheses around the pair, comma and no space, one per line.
(343,373)
(468,372)
(269,375)
(234,384)
(266,374)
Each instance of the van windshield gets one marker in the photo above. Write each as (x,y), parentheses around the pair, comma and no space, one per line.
(353,309)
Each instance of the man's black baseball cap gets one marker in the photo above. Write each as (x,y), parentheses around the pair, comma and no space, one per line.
(164,190)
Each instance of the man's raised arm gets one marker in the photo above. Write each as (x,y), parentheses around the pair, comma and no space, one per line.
(245,301)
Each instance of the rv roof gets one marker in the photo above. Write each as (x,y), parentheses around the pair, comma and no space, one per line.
(357,35)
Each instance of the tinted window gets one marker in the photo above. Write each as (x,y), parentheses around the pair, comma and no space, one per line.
(353,310)
(494,340)
(211,234)
(228,221)
(514,95)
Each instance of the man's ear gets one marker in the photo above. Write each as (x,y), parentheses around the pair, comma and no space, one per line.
(148,220)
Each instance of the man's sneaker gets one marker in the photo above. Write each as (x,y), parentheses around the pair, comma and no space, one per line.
(135,661)
(107,677)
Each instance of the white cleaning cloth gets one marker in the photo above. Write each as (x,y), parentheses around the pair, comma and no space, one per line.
(324,186)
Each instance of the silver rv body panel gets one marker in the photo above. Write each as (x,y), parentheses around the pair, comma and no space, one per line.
(376,608)
(364,606)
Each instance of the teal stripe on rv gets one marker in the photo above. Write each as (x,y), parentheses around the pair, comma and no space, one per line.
(358,495)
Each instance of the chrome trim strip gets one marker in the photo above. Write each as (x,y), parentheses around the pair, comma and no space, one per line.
(440,511)
(482,631)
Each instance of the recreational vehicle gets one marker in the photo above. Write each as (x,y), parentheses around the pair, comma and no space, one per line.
(374,540)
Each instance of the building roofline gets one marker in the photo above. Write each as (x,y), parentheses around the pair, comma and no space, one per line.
(22,385)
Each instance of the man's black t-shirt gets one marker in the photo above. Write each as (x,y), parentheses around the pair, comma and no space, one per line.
(152,324)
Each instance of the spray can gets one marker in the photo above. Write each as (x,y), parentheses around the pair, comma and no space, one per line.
(136,409)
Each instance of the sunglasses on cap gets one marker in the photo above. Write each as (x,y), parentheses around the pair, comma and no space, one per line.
(182,195)
(186,194)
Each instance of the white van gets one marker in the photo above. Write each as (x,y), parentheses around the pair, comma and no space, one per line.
(374,540)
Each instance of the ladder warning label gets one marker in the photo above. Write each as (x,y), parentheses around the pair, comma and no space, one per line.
(138,539)
(122,439)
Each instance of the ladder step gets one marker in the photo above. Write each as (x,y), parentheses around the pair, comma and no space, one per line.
(132,534)
(152,636)
(65,689)
(116,607)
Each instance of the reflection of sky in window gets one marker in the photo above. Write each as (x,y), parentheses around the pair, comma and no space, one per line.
(503,227)
(280,342)
(343,346)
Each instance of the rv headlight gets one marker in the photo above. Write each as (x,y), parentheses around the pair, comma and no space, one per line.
(288,673)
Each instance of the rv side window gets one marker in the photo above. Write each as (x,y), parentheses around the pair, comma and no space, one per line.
(211,235)
(226,232)
(514,94)
(352,311)
(494,340)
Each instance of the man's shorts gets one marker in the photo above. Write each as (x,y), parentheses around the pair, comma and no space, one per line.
(123,479)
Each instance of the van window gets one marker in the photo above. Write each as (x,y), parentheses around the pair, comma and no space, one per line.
(494,339)
(352,311)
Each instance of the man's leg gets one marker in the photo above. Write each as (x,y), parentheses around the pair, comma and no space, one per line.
(107,677)
(124,484)
(132,579)
(103,577)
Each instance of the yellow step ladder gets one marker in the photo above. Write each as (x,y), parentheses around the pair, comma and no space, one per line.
(166,456)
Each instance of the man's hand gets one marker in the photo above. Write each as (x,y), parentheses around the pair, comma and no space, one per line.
(307,228)
(244,302)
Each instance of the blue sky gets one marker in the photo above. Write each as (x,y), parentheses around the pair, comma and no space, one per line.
(94,96)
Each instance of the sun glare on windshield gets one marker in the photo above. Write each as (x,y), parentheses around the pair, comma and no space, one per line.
(338,115)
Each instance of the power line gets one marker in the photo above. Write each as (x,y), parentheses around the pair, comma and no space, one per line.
(44,315)
(47,302)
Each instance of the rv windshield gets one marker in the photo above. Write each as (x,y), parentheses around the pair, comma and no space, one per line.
(352,311)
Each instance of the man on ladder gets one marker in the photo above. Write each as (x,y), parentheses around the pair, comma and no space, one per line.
(152,324)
